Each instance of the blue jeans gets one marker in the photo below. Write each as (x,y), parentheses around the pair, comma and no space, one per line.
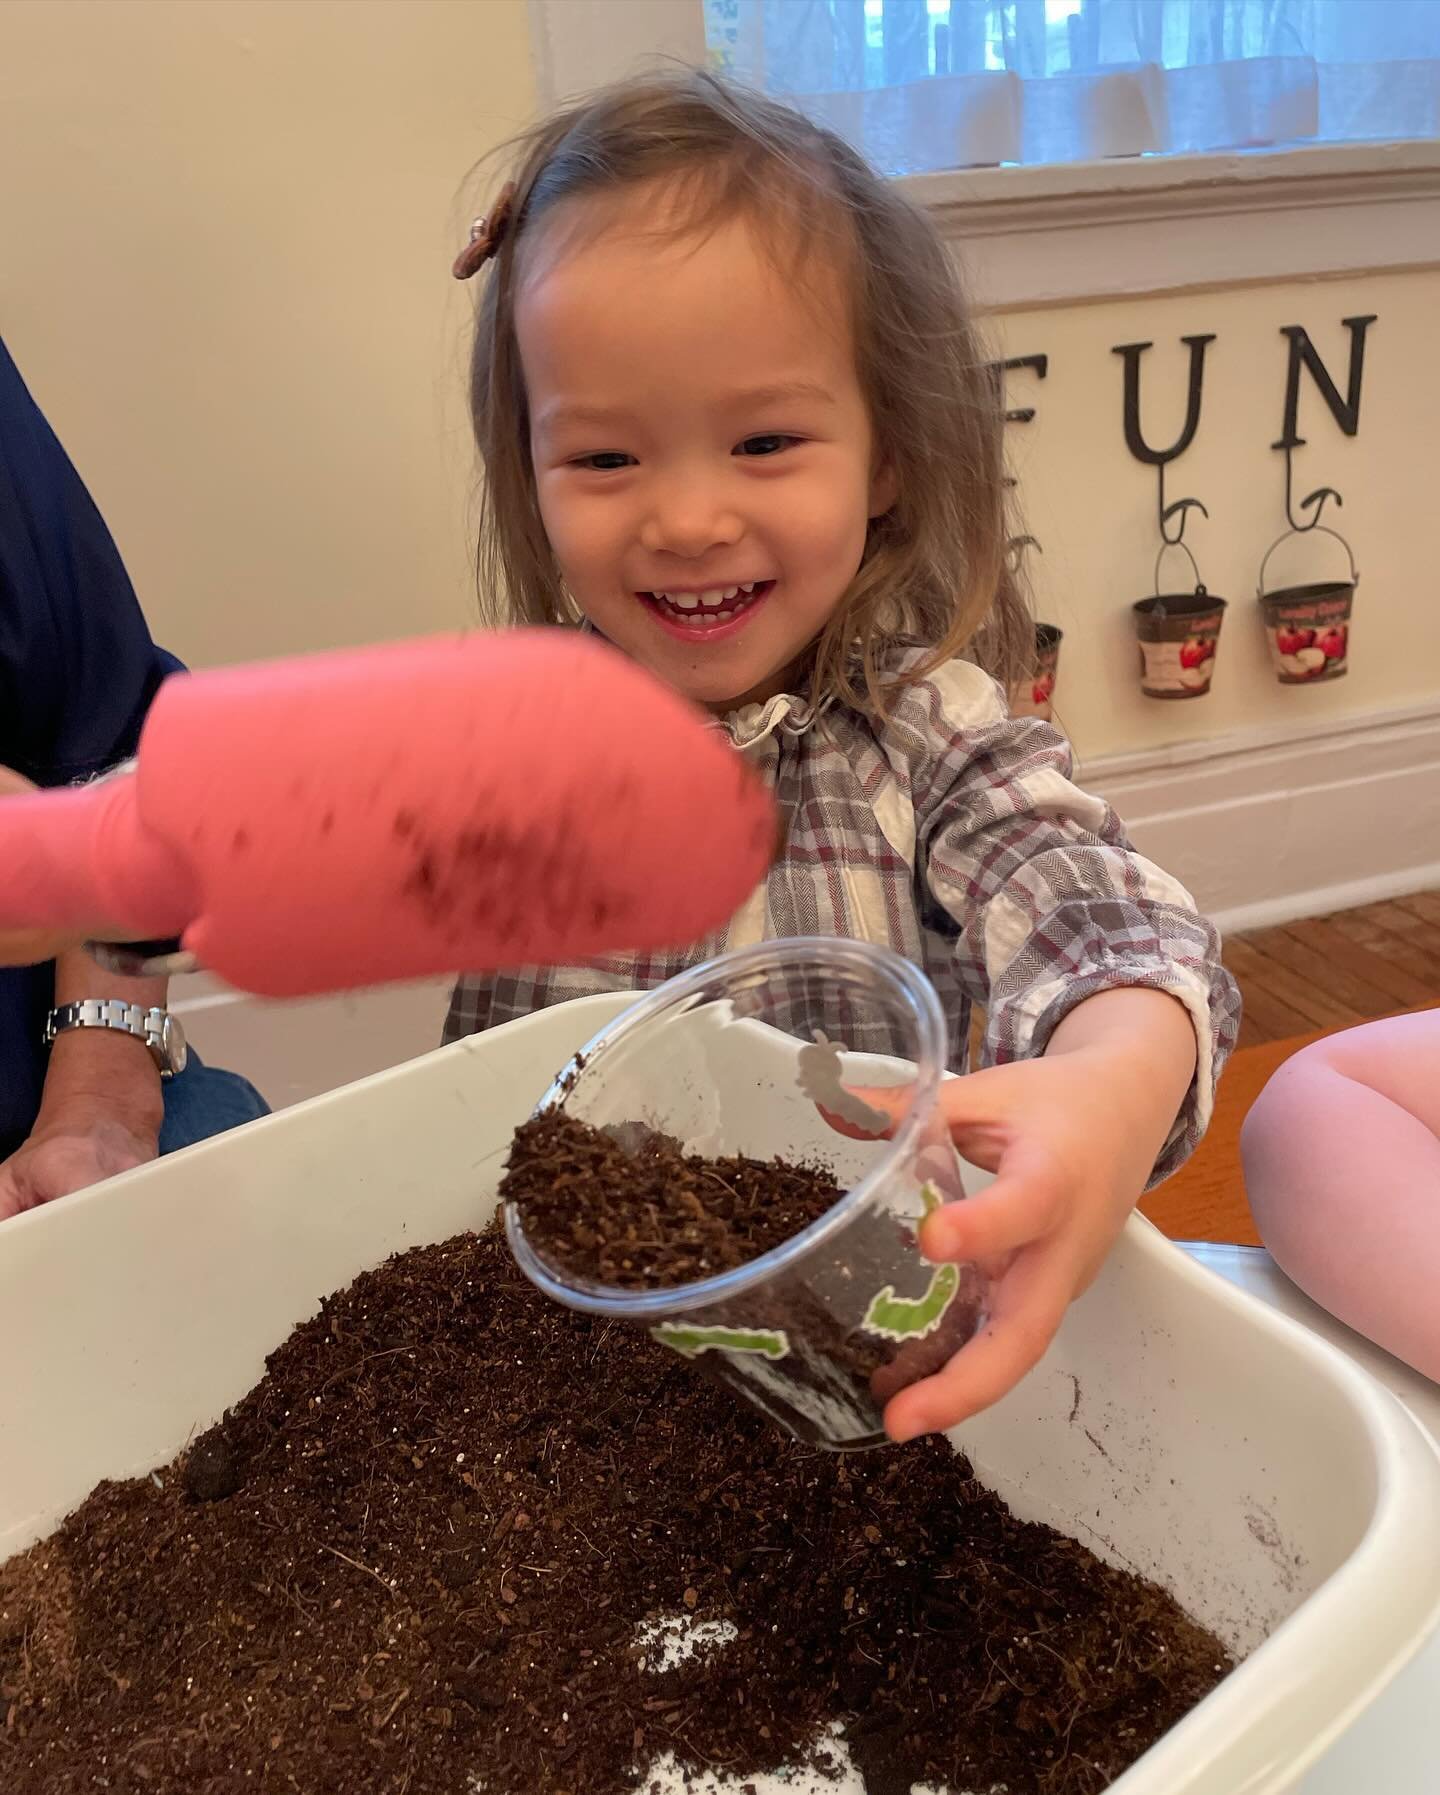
(202,1100)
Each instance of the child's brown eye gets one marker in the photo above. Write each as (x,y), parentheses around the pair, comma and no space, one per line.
(765,445)
(608,461)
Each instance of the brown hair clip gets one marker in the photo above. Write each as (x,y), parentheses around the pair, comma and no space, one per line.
(486,235)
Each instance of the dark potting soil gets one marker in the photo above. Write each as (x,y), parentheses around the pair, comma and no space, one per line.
(415,1560)
(630,1208)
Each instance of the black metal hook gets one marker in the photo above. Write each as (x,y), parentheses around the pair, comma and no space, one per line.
(1181,509)
(1017,545)
(1314,500)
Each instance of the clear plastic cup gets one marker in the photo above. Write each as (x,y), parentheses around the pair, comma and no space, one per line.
(746,1055)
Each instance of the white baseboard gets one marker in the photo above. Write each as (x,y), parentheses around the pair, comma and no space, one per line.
(1274,824)
(1267,913)
(297,1049)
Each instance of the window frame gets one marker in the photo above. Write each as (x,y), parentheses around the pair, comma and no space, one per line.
(1073,232)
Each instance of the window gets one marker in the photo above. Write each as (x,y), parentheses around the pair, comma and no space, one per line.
(923,85)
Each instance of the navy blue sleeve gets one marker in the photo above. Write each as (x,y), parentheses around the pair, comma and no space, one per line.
(77,673)
(77,666)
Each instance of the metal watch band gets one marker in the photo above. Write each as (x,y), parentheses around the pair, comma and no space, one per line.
(156,1028)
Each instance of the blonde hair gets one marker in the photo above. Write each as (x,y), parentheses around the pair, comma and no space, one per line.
(933,571)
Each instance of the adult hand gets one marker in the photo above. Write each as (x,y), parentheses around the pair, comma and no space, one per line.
(69,1150)
(102,1105)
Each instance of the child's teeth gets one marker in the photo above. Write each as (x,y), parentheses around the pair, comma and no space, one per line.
(714,601)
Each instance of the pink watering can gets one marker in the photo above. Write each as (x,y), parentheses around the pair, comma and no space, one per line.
(387,813)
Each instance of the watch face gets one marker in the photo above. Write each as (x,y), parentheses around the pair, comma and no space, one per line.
(172,1042)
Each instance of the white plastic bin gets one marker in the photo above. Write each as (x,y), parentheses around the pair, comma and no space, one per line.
(1177,1426)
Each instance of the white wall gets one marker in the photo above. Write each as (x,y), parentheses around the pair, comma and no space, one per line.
(227,229)
(1093,507)
(1269,801)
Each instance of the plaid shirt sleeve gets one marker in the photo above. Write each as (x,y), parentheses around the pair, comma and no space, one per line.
(1047,901)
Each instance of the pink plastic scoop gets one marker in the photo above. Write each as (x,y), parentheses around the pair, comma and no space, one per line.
(387,813)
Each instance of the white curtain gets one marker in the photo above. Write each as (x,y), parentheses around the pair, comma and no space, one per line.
(930,84)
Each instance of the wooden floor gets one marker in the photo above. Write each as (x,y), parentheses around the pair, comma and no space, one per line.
(1299,982)
(1334,971)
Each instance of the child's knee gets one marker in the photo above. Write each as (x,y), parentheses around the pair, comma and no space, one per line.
(1294,1141)
(1297,1098)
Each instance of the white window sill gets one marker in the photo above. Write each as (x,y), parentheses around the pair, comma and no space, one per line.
(1100,230)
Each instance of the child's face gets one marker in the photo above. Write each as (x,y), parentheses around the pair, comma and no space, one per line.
(703,458)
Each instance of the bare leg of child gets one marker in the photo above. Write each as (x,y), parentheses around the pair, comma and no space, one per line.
(1342,1165)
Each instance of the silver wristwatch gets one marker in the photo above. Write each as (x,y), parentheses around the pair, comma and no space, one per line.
(158,1029)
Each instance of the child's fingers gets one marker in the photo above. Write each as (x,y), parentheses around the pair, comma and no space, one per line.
(1026,1202)
(966,1104)
(1028,1306)
(979,1113)
(852,1130)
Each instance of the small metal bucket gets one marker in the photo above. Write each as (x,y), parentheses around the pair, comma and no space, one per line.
(1034,695)
(1308,627)
(1179,633)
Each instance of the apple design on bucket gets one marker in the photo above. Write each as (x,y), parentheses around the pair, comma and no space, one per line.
(1197,662)
(1310,654)
(1290,639)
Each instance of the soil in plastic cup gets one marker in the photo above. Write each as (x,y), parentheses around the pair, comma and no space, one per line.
(747,1055)
(1034,695)
(1179,634)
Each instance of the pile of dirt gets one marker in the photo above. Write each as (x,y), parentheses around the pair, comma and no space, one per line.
(421,1556)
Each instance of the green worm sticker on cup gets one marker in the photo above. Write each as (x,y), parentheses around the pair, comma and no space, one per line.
(689,1342)
(911,1318)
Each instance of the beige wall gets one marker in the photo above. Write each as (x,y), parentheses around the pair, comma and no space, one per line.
(225,236)
(1093,508)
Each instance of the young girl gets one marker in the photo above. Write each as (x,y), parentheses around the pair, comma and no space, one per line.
(735,417)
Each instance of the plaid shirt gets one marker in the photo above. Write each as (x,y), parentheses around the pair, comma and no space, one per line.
(952,833)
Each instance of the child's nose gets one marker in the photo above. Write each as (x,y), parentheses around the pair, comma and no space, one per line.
(688,521)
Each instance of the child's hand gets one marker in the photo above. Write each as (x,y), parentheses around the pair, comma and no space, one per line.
(1072,1139)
